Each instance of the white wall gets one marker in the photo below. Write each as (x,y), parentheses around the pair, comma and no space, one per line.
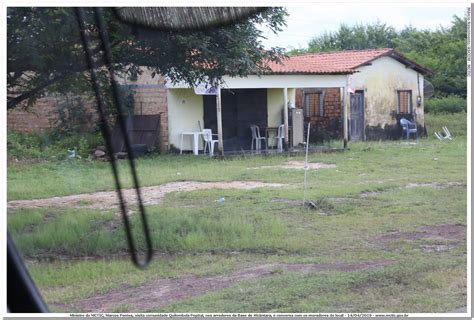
(185,109)
(279,81)
(380,82)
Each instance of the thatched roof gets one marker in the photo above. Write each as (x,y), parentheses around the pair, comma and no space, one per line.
(184,18)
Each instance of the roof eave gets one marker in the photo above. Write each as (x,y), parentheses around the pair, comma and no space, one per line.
(402,59)
(311,73)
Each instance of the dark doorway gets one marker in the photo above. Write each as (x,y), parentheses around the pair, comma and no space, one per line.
(241,108)
(357,115)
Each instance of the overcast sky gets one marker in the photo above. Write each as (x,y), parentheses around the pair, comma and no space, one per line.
(306,22)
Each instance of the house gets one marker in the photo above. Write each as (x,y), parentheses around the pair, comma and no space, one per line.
(348,95)
(371,89)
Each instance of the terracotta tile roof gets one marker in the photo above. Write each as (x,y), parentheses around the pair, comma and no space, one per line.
(328,62)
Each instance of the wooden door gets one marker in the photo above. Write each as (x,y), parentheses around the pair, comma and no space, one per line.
(357,116)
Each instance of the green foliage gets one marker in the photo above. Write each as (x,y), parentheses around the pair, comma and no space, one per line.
(46,145)
(443,50)
(45,51)
(357,37)
(71,115)
(449,104)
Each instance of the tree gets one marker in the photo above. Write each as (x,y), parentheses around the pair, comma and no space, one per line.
(358,37)
(442,50)
(45,52)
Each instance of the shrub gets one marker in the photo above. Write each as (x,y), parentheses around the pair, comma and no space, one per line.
(449,104)
(45,145)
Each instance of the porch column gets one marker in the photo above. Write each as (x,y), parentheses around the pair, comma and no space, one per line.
(219,121)
(285,116)
(345,111)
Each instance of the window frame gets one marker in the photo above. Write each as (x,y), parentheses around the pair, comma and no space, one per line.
(410,101)
(320,110)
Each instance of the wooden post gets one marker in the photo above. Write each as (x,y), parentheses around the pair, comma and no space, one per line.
(285,116)
(219,121)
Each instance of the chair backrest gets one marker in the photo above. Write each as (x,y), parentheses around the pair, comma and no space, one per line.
(281,131)
(207,135)
(404,122)
(255,131)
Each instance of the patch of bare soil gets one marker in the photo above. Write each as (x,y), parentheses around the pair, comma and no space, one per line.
(436,185)
(162,292)
(150,195)
(449,235)
(299,165)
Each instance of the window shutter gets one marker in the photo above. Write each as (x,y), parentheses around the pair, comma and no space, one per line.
(321,104)
(306,105)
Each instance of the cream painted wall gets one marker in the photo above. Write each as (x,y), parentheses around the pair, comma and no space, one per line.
(185,109)
(380,82)
(275,105)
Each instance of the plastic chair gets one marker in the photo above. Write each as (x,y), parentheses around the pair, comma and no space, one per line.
(279,137)
(446,135)
(409,127)
(209,143)
(257,138)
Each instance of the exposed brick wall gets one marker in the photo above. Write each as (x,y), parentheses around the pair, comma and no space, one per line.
(35,120)
(149,98)
(331,119)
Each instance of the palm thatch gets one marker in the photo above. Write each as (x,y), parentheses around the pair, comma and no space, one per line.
(184,18)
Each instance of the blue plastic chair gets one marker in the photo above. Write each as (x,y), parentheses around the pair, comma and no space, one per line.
(409,127)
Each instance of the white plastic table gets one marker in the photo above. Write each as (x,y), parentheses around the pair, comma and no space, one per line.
(195,137)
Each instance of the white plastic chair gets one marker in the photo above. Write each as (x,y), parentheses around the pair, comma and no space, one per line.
(447,134)
(208,141)
(257,138)
(279,137)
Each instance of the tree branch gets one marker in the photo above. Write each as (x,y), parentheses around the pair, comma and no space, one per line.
(13,102)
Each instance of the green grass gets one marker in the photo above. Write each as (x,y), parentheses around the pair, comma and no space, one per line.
(193,234)
(410,287)
(456,123)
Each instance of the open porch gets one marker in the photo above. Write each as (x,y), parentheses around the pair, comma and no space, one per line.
(267,101)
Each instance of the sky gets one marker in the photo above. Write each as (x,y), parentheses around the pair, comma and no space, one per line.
(306,22)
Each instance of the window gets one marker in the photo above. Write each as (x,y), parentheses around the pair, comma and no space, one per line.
(405,105)
(313,104)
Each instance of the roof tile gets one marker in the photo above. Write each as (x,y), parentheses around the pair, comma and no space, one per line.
(327,62)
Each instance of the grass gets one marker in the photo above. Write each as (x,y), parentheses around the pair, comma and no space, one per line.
(78,253)
(392,289)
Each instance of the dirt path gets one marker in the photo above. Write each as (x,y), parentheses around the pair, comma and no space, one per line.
(162,292)
(150,195)
(299,165)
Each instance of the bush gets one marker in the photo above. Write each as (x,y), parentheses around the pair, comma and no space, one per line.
(21,145)
(449,104)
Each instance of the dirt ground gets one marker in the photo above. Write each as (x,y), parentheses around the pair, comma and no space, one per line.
(444,236)
(299,165)
(162,292)
(150,195)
